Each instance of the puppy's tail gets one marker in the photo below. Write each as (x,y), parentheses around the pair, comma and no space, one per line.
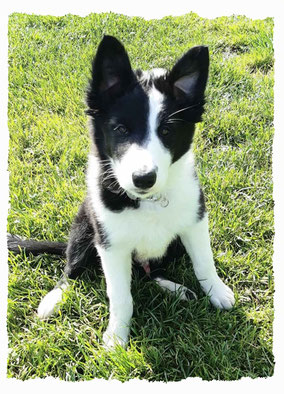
(16,245)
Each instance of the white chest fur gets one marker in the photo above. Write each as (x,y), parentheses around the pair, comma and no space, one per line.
(149,229)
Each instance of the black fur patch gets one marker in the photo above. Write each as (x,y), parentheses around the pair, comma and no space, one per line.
(117,202)
(183,88)
(81,252)
(175,251)
(202,206)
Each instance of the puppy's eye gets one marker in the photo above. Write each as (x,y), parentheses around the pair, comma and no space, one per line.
(164,132)
(121,129)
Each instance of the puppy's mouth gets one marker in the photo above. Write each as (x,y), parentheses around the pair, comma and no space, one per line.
(158,198)
(141,194)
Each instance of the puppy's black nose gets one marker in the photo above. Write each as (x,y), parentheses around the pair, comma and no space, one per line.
(144,180)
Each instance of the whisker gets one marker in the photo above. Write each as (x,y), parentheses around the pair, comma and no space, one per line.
(119,190)
(106,177)
(109,178)
(113,183)
(173,120)
(184,109)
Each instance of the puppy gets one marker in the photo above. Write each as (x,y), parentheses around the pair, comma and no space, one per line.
(144,203)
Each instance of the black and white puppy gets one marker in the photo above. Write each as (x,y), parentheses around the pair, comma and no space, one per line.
(144,201)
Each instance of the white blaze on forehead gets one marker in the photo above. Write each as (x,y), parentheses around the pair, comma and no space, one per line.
(160,155)
(155,72)
(155,107)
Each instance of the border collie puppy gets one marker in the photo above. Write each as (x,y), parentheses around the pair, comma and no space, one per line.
(144,202)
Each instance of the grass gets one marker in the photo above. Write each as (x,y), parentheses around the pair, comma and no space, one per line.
(49,66)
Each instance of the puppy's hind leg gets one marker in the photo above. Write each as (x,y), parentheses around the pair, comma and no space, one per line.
(80,253)
(50,302)
(156,271)
(178,290)
(182,292)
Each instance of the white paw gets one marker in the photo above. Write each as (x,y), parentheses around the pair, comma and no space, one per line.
(221,296)
(184,293)
(49,303)
(113,338)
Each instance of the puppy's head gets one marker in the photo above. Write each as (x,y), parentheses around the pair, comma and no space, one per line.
(143,122)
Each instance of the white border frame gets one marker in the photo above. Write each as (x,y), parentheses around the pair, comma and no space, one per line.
(153,10)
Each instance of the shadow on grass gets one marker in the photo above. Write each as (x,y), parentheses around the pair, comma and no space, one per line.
(170,339)
(182,339)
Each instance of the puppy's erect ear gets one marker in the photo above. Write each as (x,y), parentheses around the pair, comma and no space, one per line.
(111,73)
(189,75)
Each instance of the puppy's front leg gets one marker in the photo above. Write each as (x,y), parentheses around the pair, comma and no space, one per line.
(197,243)
(117,269)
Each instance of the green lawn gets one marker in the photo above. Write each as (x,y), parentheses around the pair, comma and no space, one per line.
(49,66)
